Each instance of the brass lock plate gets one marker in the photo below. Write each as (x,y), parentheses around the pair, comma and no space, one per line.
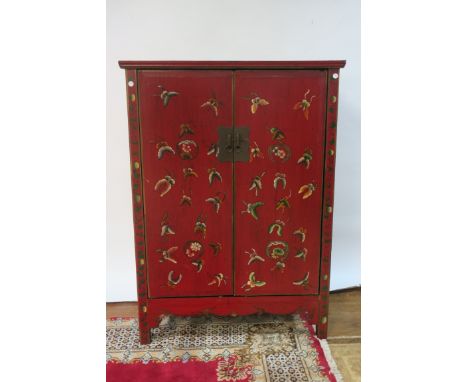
(233,144)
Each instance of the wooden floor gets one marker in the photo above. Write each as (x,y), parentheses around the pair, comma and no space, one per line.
(344,329)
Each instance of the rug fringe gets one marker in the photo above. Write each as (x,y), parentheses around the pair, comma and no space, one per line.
(330,360)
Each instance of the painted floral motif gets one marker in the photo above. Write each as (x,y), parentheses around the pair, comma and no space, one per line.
(193,249)
(257,101)
(277,134)
(253,256)
(165,227)
(277,226)
(213,104)
(278,250)
(301,233)
(216,247)
(163,147)
(170,280)
(279,178)
(303,282)
(218,279)
(189,172)
(255,152)
(283,203)
(301,254)
(279,152)
(187,149)
(251,209)
(252,283)
(185,129)
(166,95)
(307,190)
(166,254)
(164,185)
(216,201)
(213,175)
(198,264)
(305,159)
(256,183)
(304,104)
(213,149)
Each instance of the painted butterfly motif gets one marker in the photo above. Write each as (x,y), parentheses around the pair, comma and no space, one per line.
(257,101)
(251,209)
(163,147)
(254,256)
(164,185)
(277,134)
(171,282)
(218,279)
(256,183)
(213,104)
(185,129)
(306,190)
(305,159)
(304,104)
(166,95)
(303,282)
(166,229)
(255,152)
(216,201)
(253,282)
(166,254)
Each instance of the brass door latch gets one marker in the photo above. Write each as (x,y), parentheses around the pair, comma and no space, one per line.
(233,144)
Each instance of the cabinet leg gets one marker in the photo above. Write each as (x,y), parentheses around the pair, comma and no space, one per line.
(145,335)
(322,331)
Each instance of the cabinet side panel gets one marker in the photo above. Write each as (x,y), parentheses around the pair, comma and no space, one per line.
(137,199)
(279,190)
(187,190)
(328,196)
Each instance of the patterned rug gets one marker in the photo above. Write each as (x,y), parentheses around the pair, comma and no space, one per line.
(263,348)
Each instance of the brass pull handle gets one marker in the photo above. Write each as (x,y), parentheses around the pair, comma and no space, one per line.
(238,142)
(228,146)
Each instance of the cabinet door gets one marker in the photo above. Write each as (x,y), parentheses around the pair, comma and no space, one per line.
(279,190)
(187,190)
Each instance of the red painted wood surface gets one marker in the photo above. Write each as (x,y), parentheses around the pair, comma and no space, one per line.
(297,132)
(162,126)
(237,306)
(232,64)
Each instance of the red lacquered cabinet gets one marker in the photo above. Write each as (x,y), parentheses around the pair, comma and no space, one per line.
(232,168)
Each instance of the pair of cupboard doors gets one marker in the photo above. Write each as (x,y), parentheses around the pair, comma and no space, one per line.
(232,179)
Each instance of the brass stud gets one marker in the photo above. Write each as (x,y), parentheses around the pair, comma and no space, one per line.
(333,99)
(329,209)
(324,319)
(138,198)
(132,97)
(131,83)
(335,76)
(136,165)
(142,261)
(331,152)
(144,309)
(325,277)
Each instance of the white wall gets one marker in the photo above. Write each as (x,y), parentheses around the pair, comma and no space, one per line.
(232,30)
